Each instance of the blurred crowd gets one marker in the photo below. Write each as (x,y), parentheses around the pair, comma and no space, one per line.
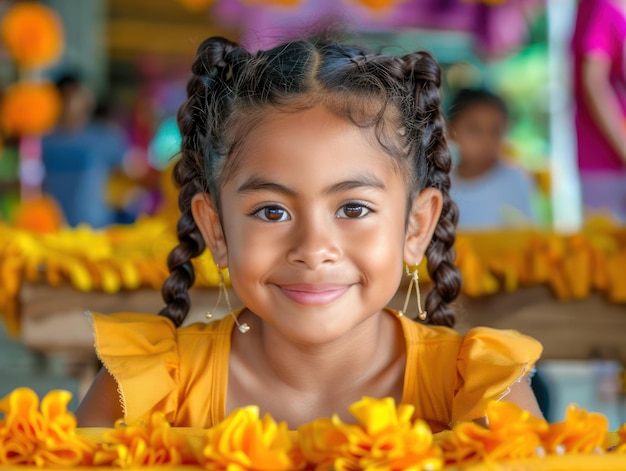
(103,169)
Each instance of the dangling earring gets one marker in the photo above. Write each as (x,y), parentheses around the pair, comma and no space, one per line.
(243,328)
(421,314)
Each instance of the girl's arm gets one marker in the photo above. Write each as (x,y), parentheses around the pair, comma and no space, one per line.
(522,395)
(101,405)
(603,102)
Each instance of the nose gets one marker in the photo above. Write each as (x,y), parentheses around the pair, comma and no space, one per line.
(314,242)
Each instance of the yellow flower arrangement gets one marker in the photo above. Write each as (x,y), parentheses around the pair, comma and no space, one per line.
(580,432)
(44,436)
(244,442)
(512,434)
(129,446)
(29,108)
(32,33)
(385,438)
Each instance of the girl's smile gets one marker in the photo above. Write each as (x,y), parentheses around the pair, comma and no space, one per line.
(313,294)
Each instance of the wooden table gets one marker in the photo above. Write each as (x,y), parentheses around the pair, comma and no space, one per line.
(53,321)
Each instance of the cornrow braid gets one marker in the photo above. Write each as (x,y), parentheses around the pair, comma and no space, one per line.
(191,170)
(433,168)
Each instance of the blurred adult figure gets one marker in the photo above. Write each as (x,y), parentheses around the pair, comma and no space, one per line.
(79,156)
(599,47)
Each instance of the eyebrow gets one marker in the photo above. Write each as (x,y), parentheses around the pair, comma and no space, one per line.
(255,184)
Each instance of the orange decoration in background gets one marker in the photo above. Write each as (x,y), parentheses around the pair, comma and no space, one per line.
(29,108)
(377,4)
(284,3)
(33,34)
(40,215)
(196,5)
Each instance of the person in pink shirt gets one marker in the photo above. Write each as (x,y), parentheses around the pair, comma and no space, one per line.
(599,47)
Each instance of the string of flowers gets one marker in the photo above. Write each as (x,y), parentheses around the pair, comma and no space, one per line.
(33,36)
(383,437)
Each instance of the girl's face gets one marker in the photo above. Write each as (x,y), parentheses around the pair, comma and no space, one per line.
(478,132)
(314,225)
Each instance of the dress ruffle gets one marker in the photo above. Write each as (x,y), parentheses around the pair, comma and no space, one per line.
(140,352)
(489,362)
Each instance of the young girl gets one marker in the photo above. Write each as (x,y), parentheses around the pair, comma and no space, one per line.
(488,191)
(313,171)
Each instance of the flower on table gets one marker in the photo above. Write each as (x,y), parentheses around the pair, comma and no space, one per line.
(513,433)
(243,441)
(40,435)
(385,437)
(138,445)
(580,432)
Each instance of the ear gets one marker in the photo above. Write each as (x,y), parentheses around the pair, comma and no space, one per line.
(423,218)
(208,221)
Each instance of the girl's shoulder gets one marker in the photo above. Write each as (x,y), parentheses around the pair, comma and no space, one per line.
(476,343)
(151,359)
(131,334)
(464,371)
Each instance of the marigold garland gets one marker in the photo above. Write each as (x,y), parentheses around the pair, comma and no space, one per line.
(512,434)
(32,33)
(29,108)
(42,436)
(385,437)
(246,442)
(152,444)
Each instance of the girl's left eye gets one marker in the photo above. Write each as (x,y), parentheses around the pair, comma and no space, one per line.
(353,211)
(272,214)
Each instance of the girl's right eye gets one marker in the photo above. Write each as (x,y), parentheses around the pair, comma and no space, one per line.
(272,214)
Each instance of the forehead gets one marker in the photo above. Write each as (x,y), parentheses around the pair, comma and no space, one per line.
(312,137)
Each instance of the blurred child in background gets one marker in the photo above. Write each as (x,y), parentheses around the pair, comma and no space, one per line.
(489,191)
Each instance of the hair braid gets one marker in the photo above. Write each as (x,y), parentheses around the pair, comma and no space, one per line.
(199,137)
(433,167)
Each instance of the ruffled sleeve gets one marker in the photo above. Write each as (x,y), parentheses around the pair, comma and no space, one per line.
(490,361)
(140,352)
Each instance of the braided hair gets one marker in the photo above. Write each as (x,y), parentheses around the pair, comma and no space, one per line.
(231,90)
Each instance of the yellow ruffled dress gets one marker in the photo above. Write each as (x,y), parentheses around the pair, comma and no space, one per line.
(183,372)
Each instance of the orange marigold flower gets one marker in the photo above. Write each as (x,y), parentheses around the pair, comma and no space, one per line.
(42,437)
(385,438)
(512,434)
(149,444)
(32,33)
(580,432)
(243,441)
(41,215)
(29,108)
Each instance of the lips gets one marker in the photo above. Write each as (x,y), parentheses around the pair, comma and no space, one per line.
(313,294)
